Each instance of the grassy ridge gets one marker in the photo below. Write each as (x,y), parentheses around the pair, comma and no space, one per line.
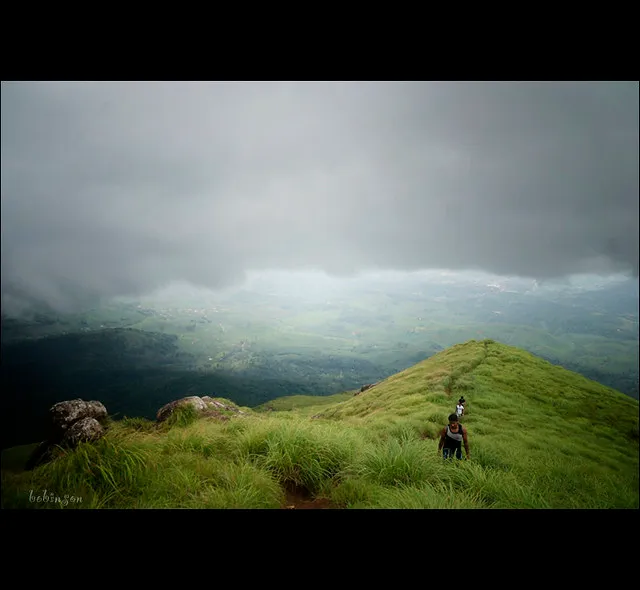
(540,436)
(302,402)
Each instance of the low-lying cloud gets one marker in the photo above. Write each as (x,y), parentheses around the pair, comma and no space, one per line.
(119,188)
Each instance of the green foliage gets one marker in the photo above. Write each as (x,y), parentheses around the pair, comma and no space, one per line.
(305,455)
(139,424)
(98,473)
(298,402)
(540,437)
(393,463)
(182,416)
(438,496)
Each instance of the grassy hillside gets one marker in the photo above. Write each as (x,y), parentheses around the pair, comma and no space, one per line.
(303,403)
(540,437)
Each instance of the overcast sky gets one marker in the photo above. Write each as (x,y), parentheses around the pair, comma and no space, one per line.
(118,188)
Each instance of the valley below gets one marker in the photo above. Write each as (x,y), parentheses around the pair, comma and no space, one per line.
(272,338)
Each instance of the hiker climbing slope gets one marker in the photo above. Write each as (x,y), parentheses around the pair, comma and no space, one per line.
(451,439)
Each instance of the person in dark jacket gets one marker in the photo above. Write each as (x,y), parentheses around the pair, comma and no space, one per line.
(451,439)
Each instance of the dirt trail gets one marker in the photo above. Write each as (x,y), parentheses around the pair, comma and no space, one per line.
(299,498)
(448,389)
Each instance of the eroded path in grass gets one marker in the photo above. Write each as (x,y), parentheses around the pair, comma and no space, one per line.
(449,388)
(299,498)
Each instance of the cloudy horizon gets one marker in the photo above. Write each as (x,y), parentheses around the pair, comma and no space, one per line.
(120,188)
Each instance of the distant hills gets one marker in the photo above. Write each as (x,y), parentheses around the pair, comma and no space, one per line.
(275,338)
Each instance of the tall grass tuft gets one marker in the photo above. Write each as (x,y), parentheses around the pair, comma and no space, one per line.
(102,474)
(182,416)
(298,452)
(395,462)
(425,496)
(138,424)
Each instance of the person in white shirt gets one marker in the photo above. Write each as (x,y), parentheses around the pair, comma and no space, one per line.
(459,410)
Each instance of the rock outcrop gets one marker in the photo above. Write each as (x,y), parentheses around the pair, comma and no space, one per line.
(65,414)
(84,430)
(205,406)
(193,400)
(72,422)
(213,403)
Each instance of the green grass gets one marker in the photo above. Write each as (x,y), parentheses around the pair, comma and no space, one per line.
(182,416)
(299,402)
(540,437)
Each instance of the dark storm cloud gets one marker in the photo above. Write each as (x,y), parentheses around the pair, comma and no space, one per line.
(117,188)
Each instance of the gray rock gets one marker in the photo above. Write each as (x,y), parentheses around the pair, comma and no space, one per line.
(165,411)
(84,430)
(72,421)
(206,406)
(215,404)
(65,414)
